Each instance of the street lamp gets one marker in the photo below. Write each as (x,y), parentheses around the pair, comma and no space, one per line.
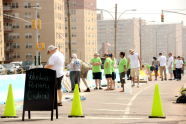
(115,23)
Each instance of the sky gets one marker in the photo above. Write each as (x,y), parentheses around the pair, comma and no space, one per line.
(149,10)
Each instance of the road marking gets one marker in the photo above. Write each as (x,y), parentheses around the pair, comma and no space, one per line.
(115,104)
(111,118)
(127,109)
(111,110)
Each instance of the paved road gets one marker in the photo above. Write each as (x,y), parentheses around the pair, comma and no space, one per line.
(114,107)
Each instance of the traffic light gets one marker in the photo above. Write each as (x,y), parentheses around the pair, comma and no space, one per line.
(39,24)
(34,24)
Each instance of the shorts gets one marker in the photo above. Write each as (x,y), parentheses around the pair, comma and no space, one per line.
(170,70)
(84,74)
(58,81)
(134,72)
(122,77)
(113,75)
(108,75)
(97,75)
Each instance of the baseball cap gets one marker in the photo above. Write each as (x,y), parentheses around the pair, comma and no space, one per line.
(51,47)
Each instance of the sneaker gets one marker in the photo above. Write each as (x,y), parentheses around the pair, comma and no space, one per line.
(100,88)
(165,78)
(59,104)
(87,90)
(133,85)
(95,88)
(138,86)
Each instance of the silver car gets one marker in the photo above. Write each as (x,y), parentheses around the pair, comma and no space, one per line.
(2,70)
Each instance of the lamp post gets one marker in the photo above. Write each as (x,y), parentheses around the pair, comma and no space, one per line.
(116,18)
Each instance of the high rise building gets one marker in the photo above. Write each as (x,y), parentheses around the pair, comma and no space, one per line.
(83,21)
(162,38)
(1,34)
(20,37)
(128,36)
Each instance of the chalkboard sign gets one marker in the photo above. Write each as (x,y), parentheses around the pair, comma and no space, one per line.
(40,91)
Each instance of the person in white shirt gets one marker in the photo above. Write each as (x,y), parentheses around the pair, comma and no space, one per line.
(179,66)
(56,62)
(75,71)
(170,65)
(163,62)
(134,61)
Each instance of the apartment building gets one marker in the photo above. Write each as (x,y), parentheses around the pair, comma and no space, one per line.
(83,21)
(20,37)
(128,36)
(2,58)
(163,38)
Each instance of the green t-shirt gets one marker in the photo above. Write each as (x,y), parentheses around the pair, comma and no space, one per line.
(148,66)
(108,69)
(113,63)
(96,68)
(122,62)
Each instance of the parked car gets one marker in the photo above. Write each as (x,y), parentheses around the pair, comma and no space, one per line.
(26,65)
(10,68)
(2,70)
(18,66)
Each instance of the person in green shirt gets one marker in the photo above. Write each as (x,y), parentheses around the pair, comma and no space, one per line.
(128,71)
(113,71)
(108,71)
(96,70)
(122,69)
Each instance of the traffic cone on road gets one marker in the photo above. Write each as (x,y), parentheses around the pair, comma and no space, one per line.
(10,109)
(76,104)
(157,110)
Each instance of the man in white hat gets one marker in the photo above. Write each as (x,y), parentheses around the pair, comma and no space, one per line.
(134,62)
(56,62)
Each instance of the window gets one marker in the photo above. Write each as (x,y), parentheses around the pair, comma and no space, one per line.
(29,55)
(29,45)
(27,25)
(15,45)
(27,5)
(28,15)
(15,26)
(15,5)
(28,35)
(13,36)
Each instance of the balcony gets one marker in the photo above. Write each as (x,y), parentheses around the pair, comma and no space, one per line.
(9,40)
(8,29)
(9,49)
(7,19)
(7,9)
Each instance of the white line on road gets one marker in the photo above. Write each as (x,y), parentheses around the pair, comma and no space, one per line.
(115,104)
(111,110)
(127,110)
(111,118)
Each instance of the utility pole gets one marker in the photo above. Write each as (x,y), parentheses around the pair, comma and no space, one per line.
(37,58)
(140,40)
(115,33)
(36,27)
(69,29)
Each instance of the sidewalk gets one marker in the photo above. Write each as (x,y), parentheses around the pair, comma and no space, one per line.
(113,107)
